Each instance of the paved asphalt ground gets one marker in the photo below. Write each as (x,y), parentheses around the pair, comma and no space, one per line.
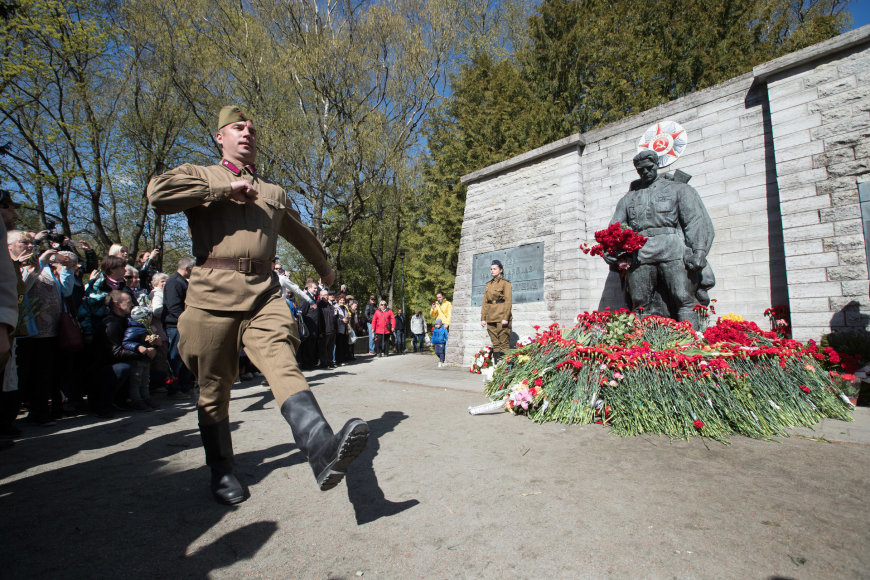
(437,494)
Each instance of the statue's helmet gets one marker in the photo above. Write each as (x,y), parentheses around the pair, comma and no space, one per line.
(646,154)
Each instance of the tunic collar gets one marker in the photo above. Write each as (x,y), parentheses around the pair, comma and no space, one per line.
(235,170)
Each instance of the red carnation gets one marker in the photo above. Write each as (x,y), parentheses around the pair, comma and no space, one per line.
(539,382)
(698,424)
(805,388)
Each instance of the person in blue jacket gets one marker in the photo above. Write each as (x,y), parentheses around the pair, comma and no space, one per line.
(439,341)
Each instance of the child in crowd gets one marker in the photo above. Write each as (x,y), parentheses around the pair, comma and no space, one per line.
(139,339)
(439,340)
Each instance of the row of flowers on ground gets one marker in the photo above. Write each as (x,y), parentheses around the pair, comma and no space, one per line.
(657,375)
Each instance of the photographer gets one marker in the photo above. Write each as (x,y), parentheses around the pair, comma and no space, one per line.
(37,352)
(48,239)
(146,264)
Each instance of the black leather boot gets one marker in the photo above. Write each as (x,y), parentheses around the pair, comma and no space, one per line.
(218,444)
(329,454)
(496,356)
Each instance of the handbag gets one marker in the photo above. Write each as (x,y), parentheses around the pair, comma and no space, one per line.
(302,328)
(69,333)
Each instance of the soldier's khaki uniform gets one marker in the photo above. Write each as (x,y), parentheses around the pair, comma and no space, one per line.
(226,309)
(497,300)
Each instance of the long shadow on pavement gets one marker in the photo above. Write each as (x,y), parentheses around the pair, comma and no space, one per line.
(73,435)
(126,514)
(367,497)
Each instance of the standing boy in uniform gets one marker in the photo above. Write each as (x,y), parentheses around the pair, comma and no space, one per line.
(495,313)
(234,218)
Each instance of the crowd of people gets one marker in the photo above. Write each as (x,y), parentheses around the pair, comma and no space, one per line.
(100,334)
(332,323)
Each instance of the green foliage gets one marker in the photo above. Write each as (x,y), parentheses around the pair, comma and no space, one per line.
(603,60)
(492,115)
(58,87)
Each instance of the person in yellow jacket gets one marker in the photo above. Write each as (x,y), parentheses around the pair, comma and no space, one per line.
(442,309)
(495,312)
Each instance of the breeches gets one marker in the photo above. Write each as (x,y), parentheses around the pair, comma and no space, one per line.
(210,341)
(499,335)
(642,283)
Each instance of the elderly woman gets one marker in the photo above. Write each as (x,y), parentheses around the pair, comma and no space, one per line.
(160,364)
(158,281)
(119,250)
(38,351)
(383,323)
(131,279)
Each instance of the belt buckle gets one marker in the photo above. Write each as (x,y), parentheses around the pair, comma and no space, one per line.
(245,265)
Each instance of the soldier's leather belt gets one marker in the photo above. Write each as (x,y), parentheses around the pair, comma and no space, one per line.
(495,301)
(657,231)
(243,265)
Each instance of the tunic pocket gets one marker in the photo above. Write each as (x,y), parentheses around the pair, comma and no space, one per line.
(666,207)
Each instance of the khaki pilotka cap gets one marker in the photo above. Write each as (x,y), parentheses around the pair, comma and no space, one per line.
(230,114)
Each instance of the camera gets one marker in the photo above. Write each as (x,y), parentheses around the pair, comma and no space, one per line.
(54,240)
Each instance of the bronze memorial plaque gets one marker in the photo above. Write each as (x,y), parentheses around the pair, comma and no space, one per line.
(523,268)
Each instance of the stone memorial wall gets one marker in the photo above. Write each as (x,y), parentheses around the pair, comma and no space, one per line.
(777,156)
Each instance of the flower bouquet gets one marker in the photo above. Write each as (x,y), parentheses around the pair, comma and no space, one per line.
(482,359)
(779,320)
(616,244)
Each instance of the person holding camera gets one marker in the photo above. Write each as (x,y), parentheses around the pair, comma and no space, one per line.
(37,351)
(441,309)
(146,265)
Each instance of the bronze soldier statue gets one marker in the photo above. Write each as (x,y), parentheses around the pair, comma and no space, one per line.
(670,274)
(235,217)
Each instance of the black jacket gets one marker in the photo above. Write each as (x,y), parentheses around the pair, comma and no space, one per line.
(369,312)
(146,272)
(310,315)
(174,294)
(115,327)
(328,317)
